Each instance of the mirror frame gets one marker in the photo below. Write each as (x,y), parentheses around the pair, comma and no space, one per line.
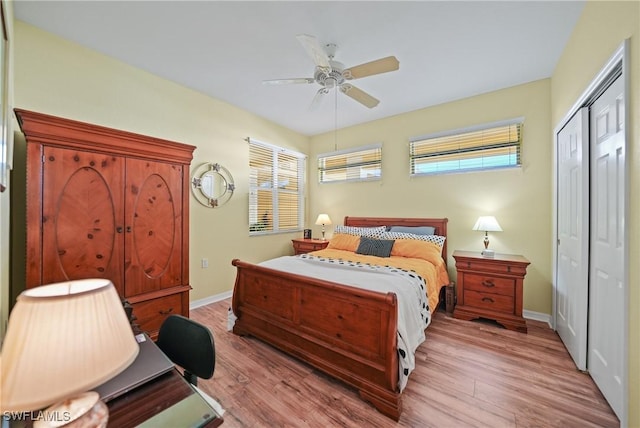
(198,177)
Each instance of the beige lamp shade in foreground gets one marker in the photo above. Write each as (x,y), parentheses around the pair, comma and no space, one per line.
(487,224)
(323,219)
(63,339)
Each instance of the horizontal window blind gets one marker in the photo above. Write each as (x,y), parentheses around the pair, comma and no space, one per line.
(490,146)
(358,164)
(276,192)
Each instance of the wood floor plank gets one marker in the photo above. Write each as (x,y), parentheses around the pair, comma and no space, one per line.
(468,374)
(470,411)
(534,411)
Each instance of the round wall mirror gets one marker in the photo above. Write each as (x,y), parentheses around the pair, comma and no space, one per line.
(212,185)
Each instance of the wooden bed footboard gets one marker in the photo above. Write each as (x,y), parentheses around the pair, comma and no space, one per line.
(346,332)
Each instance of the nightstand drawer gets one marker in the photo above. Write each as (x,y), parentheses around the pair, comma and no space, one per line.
(311,246)
(491,266)
(490,284)
(301,246)
(488,301)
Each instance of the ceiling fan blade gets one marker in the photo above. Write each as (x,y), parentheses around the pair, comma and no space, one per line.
(315,51)
(318,98)
(288,81)
(359,95)
(378,66)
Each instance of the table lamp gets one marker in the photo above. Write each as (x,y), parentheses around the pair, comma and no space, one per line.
(487,224)
(323,219)
(63,339)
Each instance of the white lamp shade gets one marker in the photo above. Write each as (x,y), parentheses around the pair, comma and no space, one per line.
(323,219)
(487,224)
(63,339)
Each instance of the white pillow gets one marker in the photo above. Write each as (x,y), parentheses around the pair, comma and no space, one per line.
(436,239)
(369,232)
(416,230)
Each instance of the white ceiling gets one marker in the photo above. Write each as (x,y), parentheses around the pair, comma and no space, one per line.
(447,49)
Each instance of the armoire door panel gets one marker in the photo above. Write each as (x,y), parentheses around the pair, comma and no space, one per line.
(82,216)
(153,241)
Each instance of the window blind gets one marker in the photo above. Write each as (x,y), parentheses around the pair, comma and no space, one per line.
(489,146)
(357,164)
(276,189)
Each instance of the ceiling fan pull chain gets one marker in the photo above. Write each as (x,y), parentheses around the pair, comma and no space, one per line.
(335,132)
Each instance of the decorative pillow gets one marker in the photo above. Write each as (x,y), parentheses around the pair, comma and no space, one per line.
(342,241)
(416,230)
(375,247)
(417,249)
(436,239)
(370,232)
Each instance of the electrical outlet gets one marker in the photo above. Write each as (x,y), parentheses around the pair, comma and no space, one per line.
(204,263)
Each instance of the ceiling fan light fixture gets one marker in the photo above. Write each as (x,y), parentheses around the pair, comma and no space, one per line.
(330,83)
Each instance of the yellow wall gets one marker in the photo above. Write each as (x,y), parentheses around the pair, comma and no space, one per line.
(602,28)
(6,196)
(519,198)
(61,78)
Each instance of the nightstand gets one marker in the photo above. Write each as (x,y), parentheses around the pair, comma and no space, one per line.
(491,288)
(301,246)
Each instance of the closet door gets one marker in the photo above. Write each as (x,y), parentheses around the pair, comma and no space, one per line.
(154,241)
(607,242)
(572,287)
(82,216)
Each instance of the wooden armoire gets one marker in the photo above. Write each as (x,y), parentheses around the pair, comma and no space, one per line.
(104,203)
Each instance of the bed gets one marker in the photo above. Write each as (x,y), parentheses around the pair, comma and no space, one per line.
(352,333)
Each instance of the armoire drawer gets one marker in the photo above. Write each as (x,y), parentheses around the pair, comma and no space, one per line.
(150,314)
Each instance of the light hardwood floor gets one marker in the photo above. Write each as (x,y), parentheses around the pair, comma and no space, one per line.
(468,373)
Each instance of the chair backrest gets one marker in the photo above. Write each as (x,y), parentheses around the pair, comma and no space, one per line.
(188,344)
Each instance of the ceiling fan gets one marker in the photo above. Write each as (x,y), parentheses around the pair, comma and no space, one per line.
(330,74)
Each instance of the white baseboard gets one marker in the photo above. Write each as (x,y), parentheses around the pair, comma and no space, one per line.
(211,299)
(537,316)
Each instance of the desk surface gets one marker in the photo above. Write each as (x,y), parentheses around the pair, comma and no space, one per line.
(140,404)
(146,401)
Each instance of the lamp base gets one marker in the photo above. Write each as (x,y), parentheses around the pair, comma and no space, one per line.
(488,253)
(84,410)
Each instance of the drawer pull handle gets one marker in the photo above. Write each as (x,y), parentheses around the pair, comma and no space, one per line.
(167,312)
(487,299)
(488,283)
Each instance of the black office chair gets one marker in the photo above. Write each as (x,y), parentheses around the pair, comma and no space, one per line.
(190,345)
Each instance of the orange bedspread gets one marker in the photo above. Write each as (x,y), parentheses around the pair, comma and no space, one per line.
(422,257)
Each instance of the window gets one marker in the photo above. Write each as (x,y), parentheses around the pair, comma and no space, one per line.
(358,164)
(276,192)
(489,146)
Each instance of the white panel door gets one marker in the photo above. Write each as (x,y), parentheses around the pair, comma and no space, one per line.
(572,287)
(607,241)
